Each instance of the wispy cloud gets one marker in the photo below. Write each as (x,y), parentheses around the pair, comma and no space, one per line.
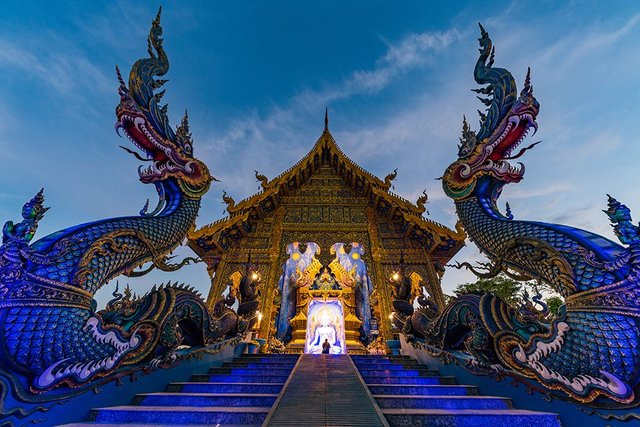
(600,39)
(520,192)
(67,73)
(412,51)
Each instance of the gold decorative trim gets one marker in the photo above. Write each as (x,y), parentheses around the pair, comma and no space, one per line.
(213,228)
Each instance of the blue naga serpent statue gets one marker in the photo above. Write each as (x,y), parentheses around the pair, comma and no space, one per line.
(591,351)
(51,332)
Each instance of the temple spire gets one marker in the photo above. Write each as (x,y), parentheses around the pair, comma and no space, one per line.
(326,119)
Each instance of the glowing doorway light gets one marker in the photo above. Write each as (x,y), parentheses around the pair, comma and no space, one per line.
(325,321)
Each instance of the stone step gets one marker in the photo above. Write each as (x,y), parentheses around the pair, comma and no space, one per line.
(381,355)
(91,424)
(388,360)
(268,371)
(233,378)
(262,357)
(252,364)
(470,418)
(180,415)
(224,387)
(389,365)
(423,390)
(205,399)
(359,357)
(443,402)
(378,379)
(398,372)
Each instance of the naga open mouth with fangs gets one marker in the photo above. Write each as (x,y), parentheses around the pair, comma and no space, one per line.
(591,351)
(146,124)
(503,128)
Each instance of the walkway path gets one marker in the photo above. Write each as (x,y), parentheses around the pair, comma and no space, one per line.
(325,390)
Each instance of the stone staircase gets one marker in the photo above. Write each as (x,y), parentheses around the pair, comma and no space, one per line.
(323,390)
(409,394)
(240,392)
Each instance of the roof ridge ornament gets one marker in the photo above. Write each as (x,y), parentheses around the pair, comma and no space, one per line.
(264,181)
(390,177)
(229,201)
(422,201)
(326,119)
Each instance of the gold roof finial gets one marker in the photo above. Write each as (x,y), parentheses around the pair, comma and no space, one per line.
(326,119)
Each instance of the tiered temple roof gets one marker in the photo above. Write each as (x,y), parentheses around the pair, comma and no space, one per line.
(440,241)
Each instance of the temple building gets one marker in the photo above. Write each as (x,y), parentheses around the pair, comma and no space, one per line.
(325,236)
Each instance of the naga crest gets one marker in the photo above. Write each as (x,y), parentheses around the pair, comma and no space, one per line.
(620,217)
(146,124)
(504,126)
(32,212)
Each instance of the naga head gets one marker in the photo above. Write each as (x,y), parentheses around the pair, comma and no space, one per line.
(146,124)
(503,127)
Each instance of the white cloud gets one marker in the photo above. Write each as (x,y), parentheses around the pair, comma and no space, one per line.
(410,52)
(67,73)
(598,40)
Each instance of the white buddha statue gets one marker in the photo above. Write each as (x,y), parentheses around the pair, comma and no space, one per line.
(325,331)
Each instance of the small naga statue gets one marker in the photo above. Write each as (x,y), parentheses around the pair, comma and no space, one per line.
(411,321)
(15,248)
(402,296)
(589,353)
(248,295)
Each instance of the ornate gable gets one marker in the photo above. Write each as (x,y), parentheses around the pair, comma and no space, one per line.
(335,189)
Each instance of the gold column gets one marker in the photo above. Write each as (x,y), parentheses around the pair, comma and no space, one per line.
(384,324)
(435,285)
(216,278)
(271,284)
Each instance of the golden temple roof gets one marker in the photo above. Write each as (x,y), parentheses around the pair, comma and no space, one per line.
(354,175)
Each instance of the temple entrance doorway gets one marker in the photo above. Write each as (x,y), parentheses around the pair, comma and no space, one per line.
(325,321)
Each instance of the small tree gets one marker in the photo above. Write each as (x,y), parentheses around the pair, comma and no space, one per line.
(554,304)
(507,289)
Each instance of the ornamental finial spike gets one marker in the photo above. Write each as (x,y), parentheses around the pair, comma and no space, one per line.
(617,211)
(528,88)
(326,119)
(34,209)
(123,86)
(483,33)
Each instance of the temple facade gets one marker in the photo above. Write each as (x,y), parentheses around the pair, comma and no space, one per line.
(325,237)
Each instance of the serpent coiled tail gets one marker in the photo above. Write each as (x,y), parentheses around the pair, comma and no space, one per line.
(52,334)
(590,353)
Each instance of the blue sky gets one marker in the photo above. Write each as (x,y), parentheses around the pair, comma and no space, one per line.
(256,77)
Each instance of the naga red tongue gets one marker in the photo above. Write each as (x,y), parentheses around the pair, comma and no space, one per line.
(522,151)
(499,151)
(512,139)
(158,155)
